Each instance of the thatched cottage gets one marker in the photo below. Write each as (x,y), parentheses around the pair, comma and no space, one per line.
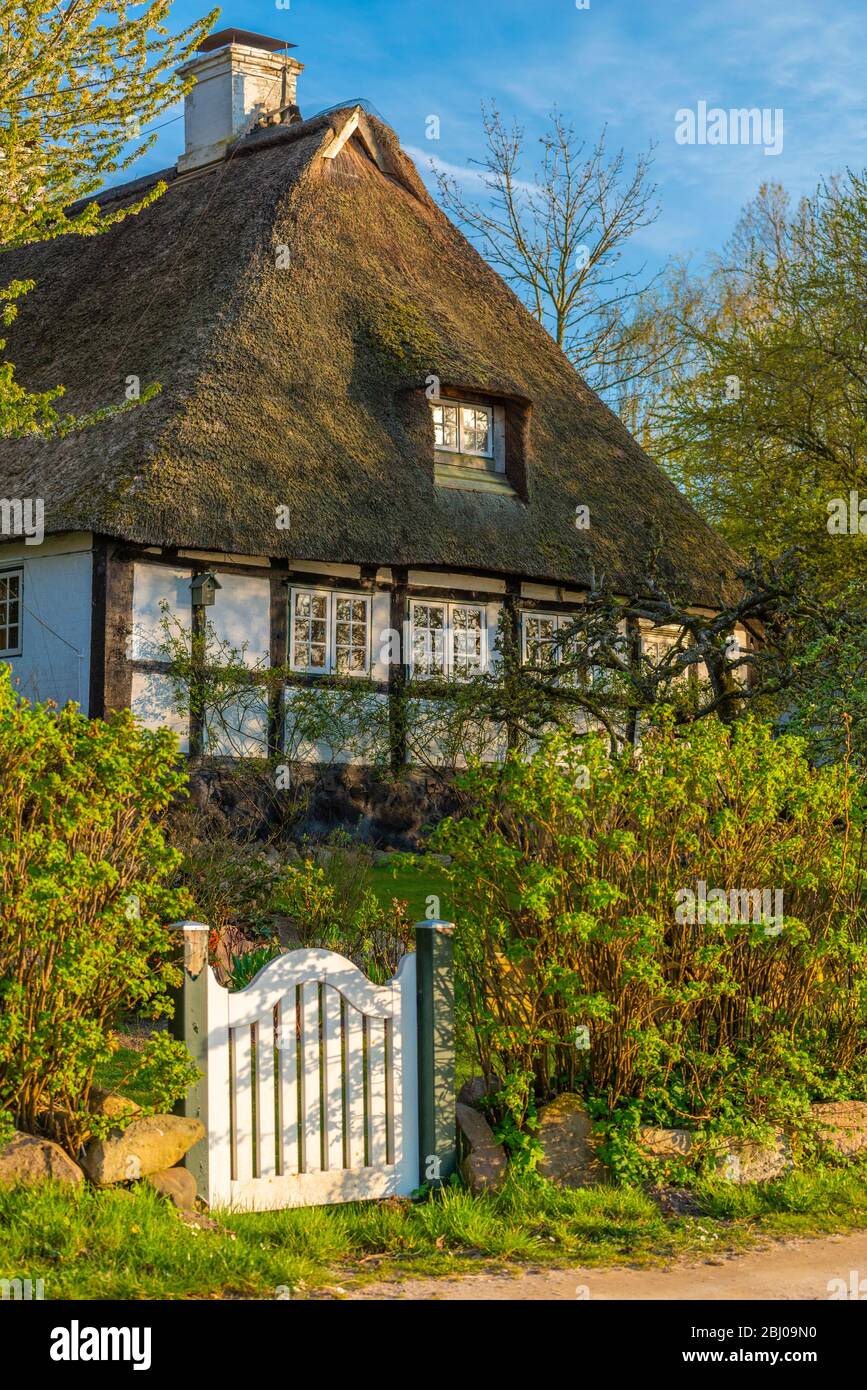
(359,429)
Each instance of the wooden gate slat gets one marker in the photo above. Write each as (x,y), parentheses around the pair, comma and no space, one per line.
(243,1103)
(355,1086)
(288,1036)
(377,1118)
(265,1098)
(332,1035)
(311,1107)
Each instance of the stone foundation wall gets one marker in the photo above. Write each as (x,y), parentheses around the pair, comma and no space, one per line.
(389,812)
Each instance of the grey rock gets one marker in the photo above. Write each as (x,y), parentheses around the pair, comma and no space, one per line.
(568,1148)
(842,1125)
(145,1146)
(484,1165)
(30,1159)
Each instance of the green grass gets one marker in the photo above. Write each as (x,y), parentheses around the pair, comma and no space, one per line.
(413,885)
(132,1245)
(114,1075)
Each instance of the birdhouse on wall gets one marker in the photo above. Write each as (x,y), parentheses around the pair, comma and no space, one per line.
(204,588)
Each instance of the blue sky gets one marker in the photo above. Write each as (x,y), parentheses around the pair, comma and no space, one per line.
(630,63)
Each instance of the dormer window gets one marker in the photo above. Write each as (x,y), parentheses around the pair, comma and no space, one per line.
(479,441)
(464,429)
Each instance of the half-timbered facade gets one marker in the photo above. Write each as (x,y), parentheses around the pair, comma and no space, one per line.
(315,394)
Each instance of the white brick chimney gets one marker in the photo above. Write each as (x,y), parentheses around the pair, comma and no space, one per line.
(239,77)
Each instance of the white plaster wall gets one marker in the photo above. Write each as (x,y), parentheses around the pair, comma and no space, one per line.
(434,739)
(380,627)
(242,614)
(153,705)
(317,728)
(158,592)
(56,629)
(238,729)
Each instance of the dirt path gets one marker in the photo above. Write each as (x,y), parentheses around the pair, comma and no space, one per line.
(790,1269)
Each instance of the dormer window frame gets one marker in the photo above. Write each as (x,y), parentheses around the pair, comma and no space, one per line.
(460,447)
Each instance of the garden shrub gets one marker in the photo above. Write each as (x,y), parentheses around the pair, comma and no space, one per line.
(323,914)
(84,903)
(575,971)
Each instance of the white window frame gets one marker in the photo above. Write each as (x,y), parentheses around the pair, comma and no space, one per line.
(458,448)
(558,619)
(15,572)
(331,596)
(450,671)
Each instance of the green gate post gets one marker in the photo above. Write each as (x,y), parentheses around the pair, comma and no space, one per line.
(436,1051)
(190,1025)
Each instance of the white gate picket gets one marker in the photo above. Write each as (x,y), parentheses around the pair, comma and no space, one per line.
(311,1084)
(265,1107)
(311,1105)
(288,1037)
(332,1045)
(355,1086)
(243,1107)
(376,1091)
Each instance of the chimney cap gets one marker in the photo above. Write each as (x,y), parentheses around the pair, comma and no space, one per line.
(245,36)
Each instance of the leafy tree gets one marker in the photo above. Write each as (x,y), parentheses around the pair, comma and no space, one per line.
(764,424)
(79,79)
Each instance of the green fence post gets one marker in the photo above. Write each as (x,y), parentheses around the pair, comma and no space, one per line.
(190,1025)
(435,997)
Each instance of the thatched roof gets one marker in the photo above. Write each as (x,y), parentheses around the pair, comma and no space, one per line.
(304,385)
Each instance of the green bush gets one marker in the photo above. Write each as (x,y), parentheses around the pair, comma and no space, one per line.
(83,903)
(327,906)
(568,888)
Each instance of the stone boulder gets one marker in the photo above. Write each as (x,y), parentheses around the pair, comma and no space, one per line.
(112,1105)
(178,1185)
(145,1146)
(568,1147)
(28,1159)
(484,1164)
(474,1091)
(665,1143)
(741,1161)
(748,1162)
(842,1125)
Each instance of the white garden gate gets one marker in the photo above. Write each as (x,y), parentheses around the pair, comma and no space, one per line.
(310,1091)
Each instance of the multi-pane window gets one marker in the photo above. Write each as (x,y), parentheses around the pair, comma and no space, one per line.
(350,635)
(540,638)
(463,429)
(330,632)
(543,638)
(10,612)
(447,640)
(655,646)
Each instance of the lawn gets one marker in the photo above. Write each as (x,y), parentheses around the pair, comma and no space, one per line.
(414,885)
(130,1244)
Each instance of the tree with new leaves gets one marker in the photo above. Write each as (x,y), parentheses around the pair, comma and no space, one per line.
(557,234)
(79,82)
(764,424)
